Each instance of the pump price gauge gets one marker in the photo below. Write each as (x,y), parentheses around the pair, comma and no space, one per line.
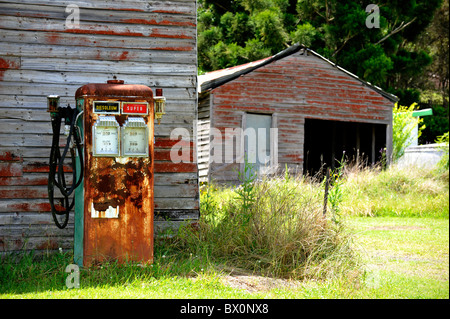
(105,134)
(135,138)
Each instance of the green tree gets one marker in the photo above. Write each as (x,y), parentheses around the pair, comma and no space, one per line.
(232,32)
(434,86)
(305,34)
(384,56)
(407,55)
(236,32)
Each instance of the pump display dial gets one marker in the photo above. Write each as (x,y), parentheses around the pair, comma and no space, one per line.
(106,137)
(135,138)
(106,140)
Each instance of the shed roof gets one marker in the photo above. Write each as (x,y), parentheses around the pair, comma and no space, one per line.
(217,78)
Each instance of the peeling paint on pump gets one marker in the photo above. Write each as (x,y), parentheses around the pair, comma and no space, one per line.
(118,191)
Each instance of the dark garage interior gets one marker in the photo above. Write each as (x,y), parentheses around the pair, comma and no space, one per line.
(326,141)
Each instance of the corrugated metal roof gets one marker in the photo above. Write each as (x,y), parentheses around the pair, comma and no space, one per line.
(217,78)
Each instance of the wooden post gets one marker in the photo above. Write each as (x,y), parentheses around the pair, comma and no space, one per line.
(373,145)
(327,185)
(358,143)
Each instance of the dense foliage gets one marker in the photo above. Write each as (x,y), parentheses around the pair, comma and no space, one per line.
(401,46)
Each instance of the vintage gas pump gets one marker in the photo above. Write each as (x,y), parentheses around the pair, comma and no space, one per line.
(114,206)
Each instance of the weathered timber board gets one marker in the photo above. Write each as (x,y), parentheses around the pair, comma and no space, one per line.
(141,42)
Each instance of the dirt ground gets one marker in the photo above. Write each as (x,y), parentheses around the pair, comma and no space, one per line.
(253,283)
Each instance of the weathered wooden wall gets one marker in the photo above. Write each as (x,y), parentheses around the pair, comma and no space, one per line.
(203,126)
(141,42)
(293,88)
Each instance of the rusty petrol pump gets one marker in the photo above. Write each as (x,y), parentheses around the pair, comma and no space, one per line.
(114,122)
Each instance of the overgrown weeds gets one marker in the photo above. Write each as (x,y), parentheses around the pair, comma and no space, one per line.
(405,192)
(276,229)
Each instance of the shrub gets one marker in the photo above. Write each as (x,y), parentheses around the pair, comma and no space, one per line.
(443,163)
(403,125)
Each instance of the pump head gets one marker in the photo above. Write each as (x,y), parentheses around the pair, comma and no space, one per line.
(52,103)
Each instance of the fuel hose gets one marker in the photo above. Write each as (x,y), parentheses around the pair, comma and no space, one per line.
(57,176)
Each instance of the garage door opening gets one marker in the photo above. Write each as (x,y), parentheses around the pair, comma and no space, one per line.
(326,141)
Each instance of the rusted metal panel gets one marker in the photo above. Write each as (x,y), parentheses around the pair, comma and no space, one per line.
(124,186)
(129,188)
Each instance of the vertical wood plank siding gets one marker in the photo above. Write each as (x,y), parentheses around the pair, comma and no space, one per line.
(295,87)
(141,42)
(203,146)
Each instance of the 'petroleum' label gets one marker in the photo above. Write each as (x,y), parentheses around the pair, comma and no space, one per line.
(107,107)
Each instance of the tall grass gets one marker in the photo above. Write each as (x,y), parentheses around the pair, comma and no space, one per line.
(279,230)
(405,192)
(276,227)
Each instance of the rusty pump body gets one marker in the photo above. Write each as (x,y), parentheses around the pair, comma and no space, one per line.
(114,208)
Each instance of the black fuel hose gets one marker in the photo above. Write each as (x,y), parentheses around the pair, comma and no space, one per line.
(56,173)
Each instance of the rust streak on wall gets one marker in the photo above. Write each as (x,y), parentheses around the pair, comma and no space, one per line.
(154,22)
(6,64)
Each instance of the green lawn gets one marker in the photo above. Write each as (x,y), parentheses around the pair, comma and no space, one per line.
(403,258)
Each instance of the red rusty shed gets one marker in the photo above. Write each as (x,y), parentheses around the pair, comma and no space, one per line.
(305,111)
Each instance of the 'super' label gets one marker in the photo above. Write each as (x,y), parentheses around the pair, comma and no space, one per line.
(135,108)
